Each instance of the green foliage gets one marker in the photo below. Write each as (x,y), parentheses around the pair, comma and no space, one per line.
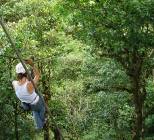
(88,51)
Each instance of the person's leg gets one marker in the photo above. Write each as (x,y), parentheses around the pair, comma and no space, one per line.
(39,113)
(38,121)
(42,111)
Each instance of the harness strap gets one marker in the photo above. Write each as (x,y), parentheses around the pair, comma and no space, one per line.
(35,99)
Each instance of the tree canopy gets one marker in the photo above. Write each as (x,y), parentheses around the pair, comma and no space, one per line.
(96,62)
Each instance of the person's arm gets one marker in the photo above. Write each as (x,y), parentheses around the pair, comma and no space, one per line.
(36,75)
(13,86)
(36,72)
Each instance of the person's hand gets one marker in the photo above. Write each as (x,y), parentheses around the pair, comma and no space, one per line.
(29,61)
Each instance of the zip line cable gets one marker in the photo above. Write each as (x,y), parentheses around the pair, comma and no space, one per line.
(22,62)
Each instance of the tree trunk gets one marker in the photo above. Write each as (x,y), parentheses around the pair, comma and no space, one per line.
(15,122)
(138,122)
(46,87)
(57,134)
(138,102)
(15,104)
(46,128)
(46,93)
(46,131)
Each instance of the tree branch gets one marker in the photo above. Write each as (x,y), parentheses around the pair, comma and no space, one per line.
(113,88)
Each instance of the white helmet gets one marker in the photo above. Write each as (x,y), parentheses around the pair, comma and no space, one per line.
(20,68)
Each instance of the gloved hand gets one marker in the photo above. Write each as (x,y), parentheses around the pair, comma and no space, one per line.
(29,61)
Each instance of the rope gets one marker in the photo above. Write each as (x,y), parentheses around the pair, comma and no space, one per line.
(22,62)
(17,53)
(36,59)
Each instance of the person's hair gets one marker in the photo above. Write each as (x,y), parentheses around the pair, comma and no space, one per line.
(21,75)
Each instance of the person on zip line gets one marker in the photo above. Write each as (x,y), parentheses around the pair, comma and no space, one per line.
(25,92)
